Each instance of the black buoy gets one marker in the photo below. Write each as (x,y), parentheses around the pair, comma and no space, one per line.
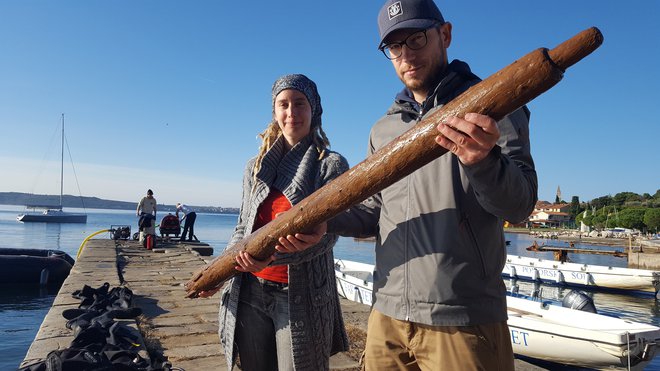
(580,301)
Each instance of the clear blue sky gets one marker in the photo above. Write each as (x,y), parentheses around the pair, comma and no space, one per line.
(170,95)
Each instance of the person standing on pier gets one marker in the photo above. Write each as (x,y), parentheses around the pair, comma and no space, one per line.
(146,210)
(283,313)
(189,217)
(147,204)
(439,300)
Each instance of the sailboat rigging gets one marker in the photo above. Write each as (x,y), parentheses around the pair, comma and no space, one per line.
(54,214)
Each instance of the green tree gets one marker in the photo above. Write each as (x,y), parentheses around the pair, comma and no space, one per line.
(632,218)
(598,221)
(621,198)
(601,202)
(588,220)
(575,207)
(652,219)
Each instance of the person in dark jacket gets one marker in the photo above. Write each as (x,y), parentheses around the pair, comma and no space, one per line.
(439,302)
(283,314)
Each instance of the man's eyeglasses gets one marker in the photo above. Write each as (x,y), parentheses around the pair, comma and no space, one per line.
(414,41)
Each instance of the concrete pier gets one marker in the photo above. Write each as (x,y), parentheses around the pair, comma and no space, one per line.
(183,331)
(645,256)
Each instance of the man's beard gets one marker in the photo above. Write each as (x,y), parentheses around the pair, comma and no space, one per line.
(429,82)
(436,72)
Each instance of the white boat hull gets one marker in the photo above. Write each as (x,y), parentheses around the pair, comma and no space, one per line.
(354,280)
(639,280)
(547,332)
(563,335)
(53,216)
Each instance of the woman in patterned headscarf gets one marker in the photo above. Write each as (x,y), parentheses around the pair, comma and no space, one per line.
(284,313)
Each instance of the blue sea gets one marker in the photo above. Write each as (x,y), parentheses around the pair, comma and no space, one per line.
(22,309)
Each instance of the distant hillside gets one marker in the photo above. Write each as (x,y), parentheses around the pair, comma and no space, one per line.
(17,198)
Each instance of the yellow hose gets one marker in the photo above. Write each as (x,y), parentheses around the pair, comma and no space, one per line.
(88,238)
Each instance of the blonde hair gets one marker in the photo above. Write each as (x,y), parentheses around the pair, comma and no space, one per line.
(273,131)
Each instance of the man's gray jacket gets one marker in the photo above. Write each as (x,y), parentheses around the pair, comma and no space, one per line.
(440,245)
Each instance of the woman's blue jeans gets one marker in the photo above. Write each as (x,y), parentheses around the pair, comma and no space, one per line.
(263,334)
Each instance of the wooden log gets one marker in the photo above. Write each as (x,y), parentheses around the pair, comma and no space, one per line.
(497,96)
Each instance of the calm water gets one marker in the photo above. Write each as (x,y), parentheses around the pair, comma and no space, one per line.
(22,309)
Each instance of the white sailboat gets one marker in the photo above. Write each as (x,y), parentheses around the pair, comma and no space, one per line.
(53,214)
(543,331)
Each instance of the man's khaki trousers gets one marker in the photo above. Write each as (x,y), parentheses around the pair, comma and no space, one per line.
(400,345)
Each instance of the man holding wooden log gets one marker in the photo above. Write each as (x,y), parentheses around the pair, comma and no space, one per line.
(439,299)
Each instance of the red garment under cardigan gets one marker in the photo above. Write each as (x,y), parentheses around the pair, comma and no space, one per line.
(275,203)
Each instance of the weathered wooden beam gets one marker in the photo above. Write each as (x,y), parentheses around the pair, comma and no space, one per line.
(561,253)
(496,96)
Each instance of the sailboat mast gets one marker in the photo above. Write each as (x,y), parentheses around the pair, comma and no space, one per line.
(62,165)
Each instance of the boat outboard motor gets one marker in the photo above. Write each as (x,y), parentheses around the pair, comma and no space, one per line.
(59,254)
(579,300)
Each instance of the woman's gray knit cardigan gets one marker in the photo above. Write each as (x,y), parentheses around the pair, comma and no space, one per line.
(317,326)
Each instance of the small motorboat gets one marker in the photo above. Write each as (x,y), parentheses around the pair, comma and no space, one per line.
(34,266)
(355,280)
(584,275)
(542,330)
(562,335)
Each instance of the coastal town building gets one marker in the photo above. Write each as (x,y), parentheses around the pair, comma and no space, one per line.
(550,215)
